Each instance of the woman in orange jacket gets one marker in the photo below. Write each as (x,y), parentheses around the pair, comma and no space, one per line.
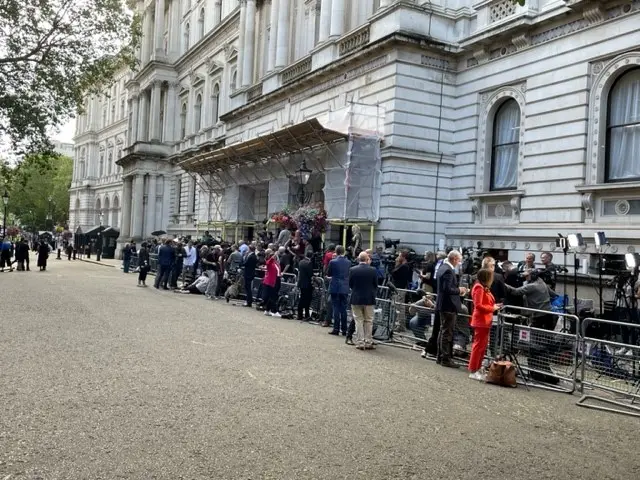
(484,306)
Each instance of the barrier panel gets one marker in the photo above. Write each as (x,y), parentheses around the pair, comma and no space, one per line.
(383,320)
(609,365)
(546,356)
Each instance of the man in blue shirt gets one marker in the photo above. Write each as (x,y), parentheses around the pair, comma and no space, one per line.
(338,272)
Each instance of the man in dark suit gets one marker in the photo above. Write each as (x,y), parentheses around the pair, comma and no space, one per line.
(448,305)
(305,275)
(363,281)
(250,265)
(166,257)
(338,272)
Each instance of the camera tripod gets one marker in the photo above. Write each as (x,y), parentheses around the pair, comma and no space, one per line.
(509,353)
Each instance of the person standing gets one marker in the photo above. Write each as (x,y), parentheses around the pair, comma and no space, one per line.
(5,254)
(484,307)
(43,255)
(178,265)
(270,285)
(22,254)
(363,281)
(190,260)
(338,273)
(401,277)
(249,273)
(144,266)
(305,284)
(166,257)
(126,258)
(448,305)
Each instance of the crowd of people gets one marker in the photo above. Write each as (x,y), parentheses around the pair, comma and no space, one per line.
(17,253)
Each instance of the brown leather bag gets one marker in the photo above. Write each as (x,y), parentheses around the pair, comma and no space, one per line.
(503,373)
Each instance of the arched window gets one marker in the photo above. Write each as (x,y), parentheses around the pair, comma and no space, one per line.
(201,24)
(115,212)
(106,210)
(234,80)
(505,146)
(101,166)
(187,33)
(98,211)
(110,163)
(183,121)
(623,129)
(197,112)
(215,103)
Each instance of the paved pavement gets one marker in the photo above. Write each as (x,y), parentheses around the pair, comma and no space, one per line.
(103,380)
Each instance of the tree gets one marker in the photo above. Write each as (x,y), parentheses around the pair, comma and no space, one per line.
(32,182)
(52,53)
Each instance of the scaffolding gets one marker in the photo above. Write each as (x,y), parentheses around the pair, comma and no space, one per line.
(344,144)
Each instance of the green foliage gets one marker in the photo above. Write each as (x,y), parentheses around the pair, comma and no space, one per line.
(32,182)
(53,52)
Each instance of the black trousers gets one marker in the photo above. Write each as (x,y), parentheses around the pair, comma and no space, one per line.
(270,298)
(248,284)
(445,337)
(142,274)
(305,302)
(162,277)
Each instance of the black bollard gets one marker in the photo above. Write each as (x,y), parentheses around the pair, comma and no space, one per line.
(58,257)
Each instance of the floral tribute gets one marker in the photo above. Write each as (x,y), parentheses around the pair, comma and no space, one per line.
(310,220)
(13,231)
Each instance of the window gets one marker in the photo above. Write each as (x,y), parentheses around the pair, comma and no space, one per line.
(104,117)
(197,113)
(178,194)
(187,31)
(122,108)
(98,212)
(114,213)
(234,80)
(110,163)
(201,25)
(113,112)
(505,146)
(215,103)
(183,121)
(623,129)
(101,170)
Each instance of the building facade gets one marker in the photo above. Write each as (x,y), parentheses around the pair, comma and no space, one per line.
(63,148)
(496,122)
(100,140)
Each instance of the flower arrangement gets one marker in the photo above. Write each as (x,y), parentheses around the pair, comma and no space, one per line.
(13,231)
(310,220)
(66,235)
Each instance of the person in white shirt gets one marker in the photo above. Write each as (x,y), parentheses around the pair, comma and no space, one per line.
(198,287)
(190,257)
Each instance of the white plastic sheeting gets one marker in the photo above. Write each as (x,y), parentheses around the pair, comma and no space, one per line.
(280,193)
(238,204)
(356,118)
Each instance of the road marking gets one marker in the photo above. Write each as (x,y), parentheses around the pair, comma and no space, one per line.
(274,387)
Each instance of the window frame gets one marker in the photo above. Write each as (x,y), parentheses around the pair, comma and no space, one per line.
(494,145)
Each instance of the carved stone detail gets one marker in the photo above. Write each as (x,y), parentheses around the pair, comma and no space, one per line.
(476,208)
(594,15)
(521,41)
(482,55)
(515,208)
(587,205)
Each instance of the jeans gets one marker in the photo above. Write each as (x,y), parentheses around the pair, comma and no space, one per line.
(305,302)
(212,286)
(339,302)
(271,298)
(248,284)
(418,324)
(162,277)
(125,264)
(445,338)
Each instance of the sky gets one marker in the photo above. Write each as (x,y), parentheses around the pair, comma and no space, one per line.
(66,132)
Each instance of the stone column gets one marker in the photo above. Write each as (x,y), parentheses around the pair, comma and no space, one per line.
(325,20)
(159,29)
(311,31)
(174,29)
(154,130)
(249,44)
(284,26)
(273,36)
(217,12)
(150,213)
(138,207)
(338,14)
(134,119)
(241,42)
(143,109)
(125,226)
(172,120)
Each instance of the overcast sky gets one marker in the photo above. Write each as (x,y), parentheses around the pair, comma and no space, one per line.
(66,132)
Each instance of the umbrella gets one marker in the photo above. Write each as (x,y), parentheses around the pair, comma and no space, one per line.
(157,233)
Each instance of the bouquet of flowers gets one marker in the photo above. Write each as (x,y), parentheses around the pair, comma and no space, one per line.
(311,221)
(284,219)
(13,231)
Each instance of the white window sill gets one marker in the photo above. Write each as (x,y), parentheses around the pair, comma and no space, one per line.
(498,194)
(607,187)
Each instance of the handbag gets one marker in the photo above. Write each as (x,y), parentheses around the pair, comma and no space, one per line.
(503,373)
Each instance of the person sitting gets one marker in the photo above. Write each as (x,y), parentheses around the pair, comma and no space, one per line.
(198,287)
(421,311)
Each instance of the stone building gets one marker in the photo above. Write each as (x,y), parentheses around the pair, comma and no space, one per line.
(63,148)
(96,186)
(495,122)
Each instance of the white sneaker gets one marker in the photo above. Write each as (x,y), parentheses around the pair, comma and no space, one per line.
(458,347)
(276,315)
(267,313)
(477,376)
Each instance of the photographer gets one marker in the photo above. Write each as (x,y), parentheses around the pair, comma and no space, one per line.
(549,271)
(401,277)
(427,276)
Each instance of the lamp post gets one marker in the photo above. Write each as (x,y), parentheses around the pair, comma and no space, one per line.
(99,245)
(302,175)
(5,200)
(50,198)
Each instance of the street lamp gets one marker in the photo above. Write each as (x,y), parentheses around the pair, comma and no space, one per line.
(302,175)
(99,249)
(49,216)
(5,200)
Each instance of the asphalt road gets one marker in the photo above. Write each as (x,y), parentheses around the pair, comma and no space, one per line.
(103,380)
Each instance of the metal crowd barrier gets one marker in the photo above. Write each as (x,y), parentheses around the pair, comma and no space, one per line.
(610,366)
